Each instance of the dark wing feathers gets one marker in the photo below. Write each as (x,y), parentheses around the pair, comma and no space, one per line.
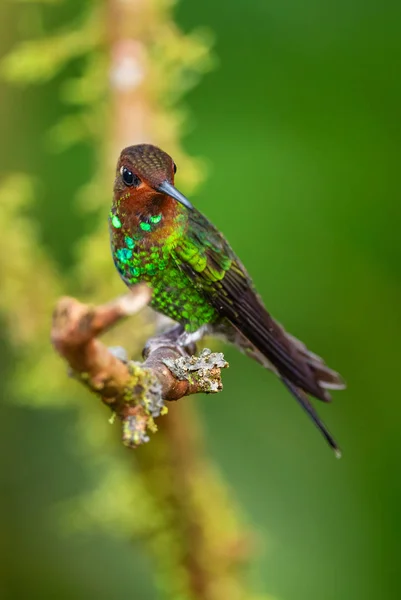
(248,315)
(227,285)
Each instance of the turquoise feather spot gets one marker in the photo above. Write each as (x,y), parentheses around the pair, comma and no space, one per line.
(129,242)
(123,254)
(145,226)
(155,219)
(135,271)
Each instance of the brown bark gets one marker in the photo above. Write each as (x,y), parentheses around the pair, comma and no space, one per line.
(136,392)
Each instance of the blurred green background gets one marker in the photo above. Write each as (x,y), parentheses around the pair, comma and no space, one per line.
(300,125)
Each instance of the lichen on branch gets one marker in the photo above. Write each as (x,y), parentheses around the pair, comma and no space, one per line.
(135,392)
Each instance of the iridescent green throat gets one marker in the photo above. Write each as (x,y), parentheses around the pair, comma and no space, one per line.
(150,251)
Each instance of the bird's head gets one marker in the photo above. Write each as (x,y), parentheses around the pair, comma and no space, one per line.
(145,171)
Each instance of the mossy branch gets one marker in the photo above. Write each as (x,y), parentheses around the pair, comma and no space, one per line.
(135,392)
(134,64)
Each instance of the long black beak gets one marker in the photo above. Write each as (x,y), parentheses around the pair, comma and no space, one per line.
(170,190)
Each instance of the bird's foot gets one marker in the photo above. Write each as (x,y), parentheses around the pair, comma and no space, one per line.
(168,339)
(189,340)
(177,339)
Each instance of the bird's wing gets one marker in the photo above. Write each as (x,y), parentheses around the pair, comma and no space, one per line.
(211,264)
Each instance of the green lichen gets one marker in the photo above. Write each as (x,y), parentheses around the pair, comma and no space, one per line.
(203,370)
(143,394)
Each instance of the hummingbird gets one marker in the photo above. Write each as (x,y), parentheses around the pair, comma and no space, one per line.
(159,237)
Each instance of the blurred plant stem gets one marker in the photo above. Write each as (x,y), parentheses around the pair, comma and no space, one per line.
(195,544)
(133,49)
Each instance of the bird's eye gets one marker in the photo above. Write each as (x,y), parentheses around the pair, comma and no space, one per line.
(175,168)
(129,178)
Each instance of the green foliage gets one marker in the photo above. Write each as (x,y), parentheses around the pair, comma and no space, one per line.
(26,300)
(38,61)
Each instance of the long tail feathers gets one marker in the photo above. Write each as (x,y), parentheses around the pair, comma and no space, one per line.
(326,377)
(303,400)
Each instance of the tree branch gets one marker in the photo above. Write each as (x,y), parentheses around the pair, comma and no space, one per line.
(135,392)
